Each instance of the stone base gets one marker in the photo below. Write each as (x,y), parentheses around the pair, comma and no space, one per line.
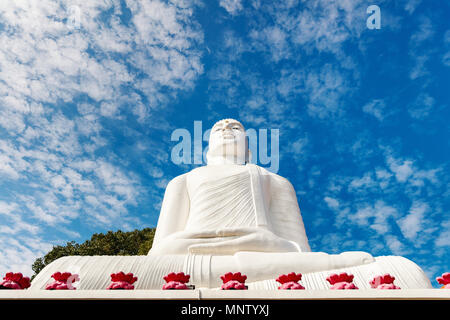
(213,294)
(95,272)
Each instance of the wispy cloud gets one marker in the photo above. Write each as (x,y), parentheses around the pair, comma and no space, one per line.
(376,108)
(60,84)
(231,6)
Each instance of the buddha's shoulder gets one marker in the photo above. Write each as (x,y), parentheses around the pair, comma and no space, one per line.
(178,181)
(182,178)
(275,178)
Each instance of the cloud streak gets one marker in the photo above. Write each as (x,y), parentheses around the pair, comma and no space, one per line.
(65,71)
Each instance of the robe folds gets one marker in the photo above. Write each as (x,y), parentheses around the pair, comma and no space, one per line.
(249,209)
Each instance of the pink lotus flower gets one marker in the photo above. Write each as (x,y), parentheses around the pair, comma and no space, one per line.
(383,282)
(444,280)
(290,281)
(15,281)
(176,281)
(342,281)
(233,281)
(63,281)
(122,281)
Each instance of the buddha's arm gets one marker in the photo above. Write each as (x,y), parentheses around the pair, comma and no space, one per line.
(284,213)
(174,209)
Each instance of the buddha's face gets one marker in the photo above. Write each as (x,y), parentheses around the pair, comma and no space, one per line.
(227,138)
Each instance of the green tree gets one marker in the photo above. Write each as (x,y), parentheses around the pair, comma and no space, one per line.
(118,243)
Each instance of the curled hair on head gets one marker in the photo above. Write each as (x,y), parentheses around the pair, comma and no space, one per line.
(229,120)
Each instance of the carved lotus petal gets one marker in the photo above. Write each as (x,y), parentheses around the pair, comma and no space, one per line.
(15,281)
(387,286)
(290,277)
(343,286)
(342,277)
(58,276)
(291,285)
(444,279)
(122,277)
(234,285)
(120,285)
(233,276)
(379,280)
(177,285)
(178,277)
(57,285)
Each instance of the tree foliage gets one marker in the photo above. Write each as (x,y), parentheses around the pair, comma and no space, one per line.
(118,243)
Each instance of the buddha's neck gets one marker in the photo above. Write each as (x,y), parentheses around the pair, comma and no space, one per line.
(231,159)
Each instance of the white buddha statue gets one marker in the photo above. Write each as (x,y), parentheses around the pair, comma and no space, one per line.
(231,215)
(229,205)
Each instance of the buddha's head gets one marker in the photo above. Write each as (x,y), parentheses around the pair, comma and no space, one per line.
(227,142)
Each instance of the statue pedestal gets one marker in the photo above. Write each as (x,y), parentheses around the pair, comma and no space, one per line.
(213,294)
(94,272)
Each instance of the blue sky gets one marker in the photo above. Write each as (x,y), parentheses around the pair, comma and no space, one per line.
(90,93)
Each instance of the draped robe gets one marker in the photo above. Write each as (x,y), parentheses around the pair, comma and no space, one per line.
(238,208)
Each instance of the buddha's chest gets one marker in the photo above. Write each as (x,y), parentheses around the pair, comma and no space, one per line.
(214,175)
(225,196)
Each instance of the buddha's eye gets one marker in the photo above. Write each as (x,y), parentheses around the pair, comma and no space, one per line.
(236,128)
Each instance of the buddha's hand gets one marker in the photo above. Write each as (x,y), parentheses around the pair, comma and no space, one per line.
(244,239)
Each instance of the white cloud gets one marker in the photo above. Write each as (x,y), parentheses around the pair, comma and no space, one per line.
(396,246)
(273,39)
(232,6)
(402,169)
(412,224)
(43,60)
(365,182)
(375,216)
(424,32)
(411,5)
(422,107)
(376,108)
(324,89)
(18,255)
(446,59)
(298,146)
(332,203)
(406,171)
(443,240)
(383,177)
(419,55)
(57,86)
(419,69)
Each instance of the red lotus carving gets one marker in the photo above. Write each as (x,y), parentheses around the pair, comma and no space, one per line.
(63,281)
(176,281)
(179,277)
(233,281)
(15,281)
(122,281)
(233,285)
(290,281)
(342,281)
(233,276)
(383,282)
(444,280)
